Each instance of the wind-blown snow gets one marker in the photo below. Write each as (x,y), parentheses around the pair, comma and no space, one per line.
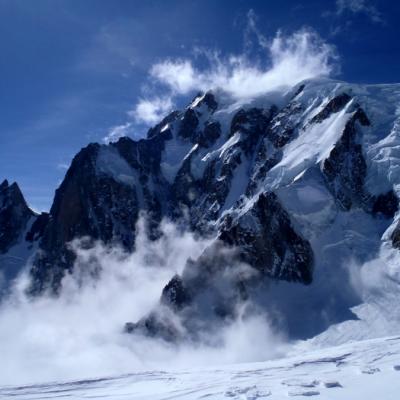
(302,55)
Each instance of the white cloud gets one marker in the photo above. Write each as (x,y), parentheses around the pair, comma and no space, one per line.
(253,30)
(146,112)
(287,60)
(150,111)
(118,131)
(62,166)
(359,6)
(178,74)
(291,59)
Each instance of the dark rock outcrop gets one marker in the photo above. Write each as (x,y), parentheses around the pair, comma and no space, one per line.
(156,130)
(38,227)
(14,215)
(252,246)
(189,124)
(267,241)
(155,325)
(211,132)
(86,204)
(345,169)
(395,237)
(335,105)
(175,295)
(386,204)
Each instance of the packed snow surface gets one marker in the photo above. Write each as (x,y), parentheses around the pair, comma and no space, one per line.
(358,370)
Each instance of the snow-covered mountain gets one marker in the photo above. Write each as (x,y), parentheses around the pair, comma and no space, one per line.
(290,188)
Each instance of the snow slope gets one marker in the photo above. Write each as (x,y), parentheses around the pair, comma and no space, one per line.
(367,370)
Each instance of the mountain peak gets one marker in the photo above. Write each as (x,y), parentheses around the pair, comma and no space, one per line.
(274,180)
(14,215)
(4,184)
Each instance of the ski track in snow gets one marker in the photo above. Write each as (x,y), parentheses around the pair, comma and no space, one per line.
(360,370)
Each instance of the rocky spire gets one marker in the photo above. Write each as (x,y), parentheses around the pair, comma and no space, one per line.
(14,214)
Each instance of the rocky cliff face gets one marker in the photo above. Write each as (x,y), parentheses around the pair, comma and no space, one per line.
(14,215)
(264,178)
(19,230)
(312,149)
(187,169)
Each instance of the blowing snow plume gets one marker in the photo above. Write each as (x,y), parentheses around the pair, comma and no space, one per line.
(80,333)
(292,59)
(284,61)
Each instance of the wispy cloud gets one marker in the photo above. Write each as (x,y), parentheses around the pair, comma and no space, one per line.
(118,131)
(147,112)
(359,7)
(342,17)
(62,166)
(150,111)
(252,31)
(290,59)
(280,62)
(112,50)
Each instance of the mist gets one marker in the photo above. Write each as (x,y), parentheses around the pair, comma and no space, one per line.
(79,334)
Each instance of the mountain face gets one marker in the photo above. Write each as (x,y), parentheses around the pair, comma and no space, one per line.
(288,186)
(14,215)
(19,228)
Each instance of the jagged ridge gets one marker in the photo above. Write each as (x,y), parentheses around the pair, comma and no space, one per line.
(229,170)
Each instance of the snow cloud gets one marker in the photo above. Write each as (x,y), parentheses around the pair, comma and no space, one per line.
(290,59)
(80,333)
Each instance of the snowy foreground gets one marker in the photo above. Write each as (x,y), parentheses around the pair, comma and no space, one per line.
(360,370)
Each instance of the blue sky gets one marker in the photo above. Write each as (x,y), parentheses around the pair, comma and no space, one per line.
(75,71)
